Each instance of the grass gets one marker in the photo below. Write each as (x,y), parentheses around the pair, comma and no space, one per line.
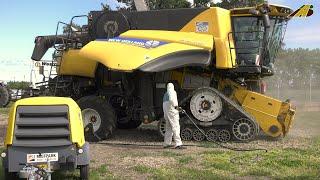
(101,172)
(4,110)
(185,160)
(278,163)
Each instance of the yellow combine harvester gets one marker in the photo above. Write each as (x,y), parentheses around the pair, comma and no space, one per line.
(118,64)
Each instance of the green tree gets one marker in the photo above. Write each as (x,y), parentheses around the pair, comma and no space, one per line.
(168,4)
(229,4)
(67,29)
(295,67)
(18,85)
(153,4)
(105,7)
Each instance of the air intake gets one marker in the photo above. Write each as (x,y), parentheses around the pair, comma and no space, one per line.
(42,126)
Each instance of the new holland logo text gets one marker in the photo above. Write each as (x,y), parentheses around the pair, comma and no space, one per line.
(136,42)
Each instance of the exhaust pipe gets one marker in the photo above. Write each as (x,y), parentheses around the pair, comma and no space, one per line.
(43,43)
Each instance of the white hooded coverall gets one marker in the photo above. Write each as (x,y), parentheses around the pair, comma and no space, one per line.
(171,115)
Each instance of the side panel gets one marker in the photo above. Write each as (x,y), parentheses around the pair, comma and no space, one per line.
(272,116)
(123,56)
(76,125)
(10,127)
(217,22)
(204,41)
(74,64)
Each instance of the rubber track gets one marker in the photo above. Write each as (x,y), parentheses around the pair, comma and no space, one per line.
(226,99)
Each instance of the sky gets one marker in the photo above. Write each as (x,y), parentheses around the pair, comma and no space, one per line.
(22,21)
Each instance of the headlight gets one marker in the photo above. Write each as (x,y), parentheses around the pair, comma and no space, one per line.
(80,151)
(3,155)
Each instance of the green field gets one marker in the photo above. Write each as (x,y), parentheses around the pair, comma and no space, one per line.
(288,163)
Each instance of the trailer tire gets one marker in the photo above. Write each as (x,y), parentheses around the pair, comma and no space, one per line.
(4,96)
(100,113)
(84,172)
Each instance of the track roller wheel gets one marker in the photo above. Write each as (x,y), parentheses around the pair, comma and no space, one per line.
(212,135)
(198,135)
(243,129)
(224,135)
(186,134)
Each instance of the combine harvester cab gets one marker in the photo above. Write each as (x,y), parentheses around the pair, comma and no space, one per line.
(212,55)
(44,134)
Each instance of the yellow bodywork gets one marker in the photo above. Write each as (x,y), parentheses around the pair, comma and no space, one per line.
(75,117)
(269,113)
(72,63)
(220,27)
(128,57)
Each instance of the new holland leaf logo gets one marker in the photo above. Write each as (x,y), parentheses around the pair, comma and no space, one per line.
(303,11)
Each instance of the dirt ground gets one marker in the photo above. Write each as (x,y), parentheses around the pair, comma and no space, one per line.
(122,159)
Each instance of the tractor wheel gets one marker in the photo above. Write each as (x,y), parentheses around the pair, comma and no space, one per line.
(4,96)
(84,172)
(100,114)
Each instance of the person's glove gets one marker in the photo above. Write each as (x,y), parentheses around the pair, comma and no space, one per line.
(178,108)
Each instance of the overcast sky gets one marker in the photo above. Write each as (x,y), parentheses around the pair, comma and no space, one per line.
(22,21)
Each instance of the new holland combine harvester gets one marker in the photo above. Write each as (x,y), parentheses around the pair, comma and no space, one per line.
(117,66)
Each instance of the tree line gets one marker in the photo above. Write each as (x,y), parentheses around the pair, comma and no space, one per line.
(296,68)
(18,85)
(171,4)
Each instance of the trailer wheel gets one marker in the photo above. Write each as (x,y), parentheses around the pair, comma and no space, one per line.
(4,96)
(98,112)
(84,172)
